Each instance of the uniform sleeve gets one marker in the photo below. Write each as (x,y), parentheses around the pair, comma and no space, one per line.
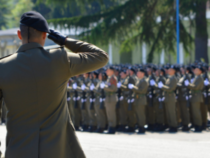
(112,87)
(85,57)
(194,85)
(169,86)
(141,88)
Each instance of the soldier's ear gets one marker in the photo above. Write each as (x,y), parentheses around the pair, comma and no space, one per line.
(19,34)
(44,35)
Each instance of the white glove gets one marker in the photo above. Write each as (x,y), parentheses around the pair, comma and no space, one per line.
(152,82)
(83,87)
(130,86)
(160,84)
(92,87)
(74,86)
(102,85)
(206,82)
(191,80)
(186,82)
(119,84)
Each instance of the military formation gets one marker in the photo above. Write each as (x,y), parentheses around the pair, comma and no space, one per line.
(139,98)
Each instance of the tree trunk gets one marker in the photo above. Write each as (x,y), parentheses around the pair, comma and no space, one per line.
(201,35)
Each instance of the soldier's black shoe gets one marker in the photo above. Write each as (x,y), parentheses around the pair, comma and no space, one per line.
(172,130)
(159,128)
(198,129)
(185,128)
(141,130)
(204,126)
(76,128)
(192,126)
(85,128)
(92,128)
(121,128)
(99,130)
(150,127)
(111,130)
(129,130)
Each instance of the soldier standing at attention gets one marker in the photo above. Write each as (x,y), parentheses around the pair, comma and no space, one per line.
(140,102)
(111,99)
(84,104)
(38,122)
(197,97)
(99,104)
(184,99)
(150,98)
(170,99)
(123,115)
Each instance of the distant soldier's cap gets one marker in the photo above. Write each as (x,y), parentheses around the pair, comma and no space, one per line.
(173,67)
(132,69)
(161,69)
(124,71)
(193,66)
(111,67)
(166,67)
(200,67)
(35,20)
(141,70)
(95,72)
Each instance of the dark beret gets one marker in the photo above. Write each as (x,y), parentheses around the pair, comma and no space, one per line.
(35,20)
(111,67)
(132,69)
(141,70)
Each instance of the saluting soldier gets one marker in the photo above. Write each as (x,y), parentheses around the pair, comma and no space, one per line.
(38,122)
(197,97)
(111,99)
(170,99)
(140,102)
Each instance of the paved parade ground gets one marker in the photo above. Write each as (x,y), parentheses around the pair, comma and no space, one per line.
(150,145)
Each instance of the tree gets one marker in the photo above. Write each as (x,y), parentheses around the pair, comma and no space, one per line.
(4,10)
(19,8)
(134,21)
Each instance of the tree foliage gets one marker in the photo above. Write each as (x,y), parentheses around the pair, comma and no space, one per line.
(132,22)
(4,10)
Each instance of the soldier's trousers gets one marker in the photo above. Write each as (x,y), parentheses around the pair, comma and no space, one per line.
(178,112)
(171,115)
(204,110)
(110,105)
(100,115)
(140,111)
(131,115)
(4,112)
(150,110)
(77,115)
(159,113)
(84,112)
(185,112)
(92,115)
(123,114)
(196,113)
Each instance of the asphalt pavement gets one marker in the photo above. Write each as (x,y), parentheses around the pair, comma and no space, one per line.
(150,145)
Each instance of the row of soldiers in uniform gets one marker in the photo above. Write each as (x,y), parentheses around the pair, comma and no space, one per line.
(128,99)
(125,99)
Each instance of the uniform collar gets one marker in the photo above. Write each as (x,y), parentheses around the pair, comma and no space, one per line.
(28,46)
